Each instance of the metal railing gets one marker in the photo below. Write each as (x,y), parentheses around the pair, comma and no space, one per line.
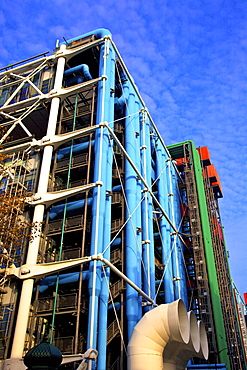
(63,301)
(70,223)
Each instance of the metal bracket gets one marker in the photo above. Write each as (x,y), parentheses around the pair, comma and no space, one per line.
(51,197)
(64,92)
(30,271)
(90,354)
(57,140)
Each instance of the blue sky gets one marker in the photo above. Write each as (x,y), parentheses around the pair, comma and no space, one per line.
(189,60)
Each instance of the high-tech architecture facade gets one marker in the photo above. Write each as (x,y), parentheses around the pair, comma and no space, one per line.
(120,223)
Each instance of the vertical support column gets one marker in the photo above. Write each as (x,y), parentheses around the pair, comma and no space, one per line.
(181,275)
(174,246)
(27,286)
(131,249)
(147,210)
(104,113)
(104,293)
(136,127)
(162,184)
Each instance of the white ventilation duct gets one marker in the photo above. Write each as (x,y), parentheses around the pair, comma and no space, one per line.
(203,352)
(166,338)
(176,355)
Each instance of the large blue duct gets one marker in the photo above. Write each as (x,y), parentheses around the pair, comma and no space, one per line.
(133,250)
(180,284)
(108,145)
(147,208)
(74,206)
(100,220)
(63,279)
(99,33)
(70,206)
(161,164)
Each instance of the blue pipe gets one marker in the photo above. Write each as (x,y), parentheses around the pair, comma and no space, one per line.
(150,175)
(108,158)
(164,226)
(120,102)
(131,248)
(182,291)
(63,280)
(83,68)
(98,207)
(78,148)
(117,188)
(99,34)
(70,206)
(116,241)
(147,211)
(73,206)
(136,127)
(117,306)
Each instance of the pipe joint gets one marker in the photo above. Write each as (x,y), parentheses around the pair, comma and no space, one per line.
(146,241)
(176,278)
(108,37)
(175,233)
(95,257)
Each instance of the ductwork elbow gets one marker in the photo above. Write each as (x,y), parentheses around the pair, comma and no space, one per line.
(177,355)
(166,338)
(165,323)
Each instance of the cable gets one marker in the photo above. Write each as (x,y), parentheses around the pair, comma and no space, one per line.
(114,309)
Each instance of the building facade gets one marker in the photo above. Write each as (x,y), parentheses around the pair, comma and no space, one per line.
(117,223)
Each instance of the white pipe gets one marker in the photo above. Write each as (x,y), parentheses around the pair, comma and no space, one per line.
(166,338)
(165,323)
(27,287)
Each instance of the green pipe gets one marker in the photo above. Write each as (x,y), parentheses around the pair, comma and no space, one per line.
(209,254)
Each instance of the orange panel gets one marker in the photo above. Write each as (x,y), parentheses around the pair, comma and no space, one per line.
(181,161)
(212,174)
(204,153)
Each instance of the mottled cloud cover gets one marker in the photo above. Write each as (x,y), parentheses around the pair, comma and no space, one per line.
(189,60)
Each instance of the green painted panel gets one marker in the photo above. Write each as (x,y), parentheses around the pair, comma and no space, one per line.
(209,253)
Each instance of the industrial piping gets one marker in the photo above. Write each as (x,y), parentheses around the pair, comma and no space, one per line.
(165,231)
(105,275)
(166,338)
